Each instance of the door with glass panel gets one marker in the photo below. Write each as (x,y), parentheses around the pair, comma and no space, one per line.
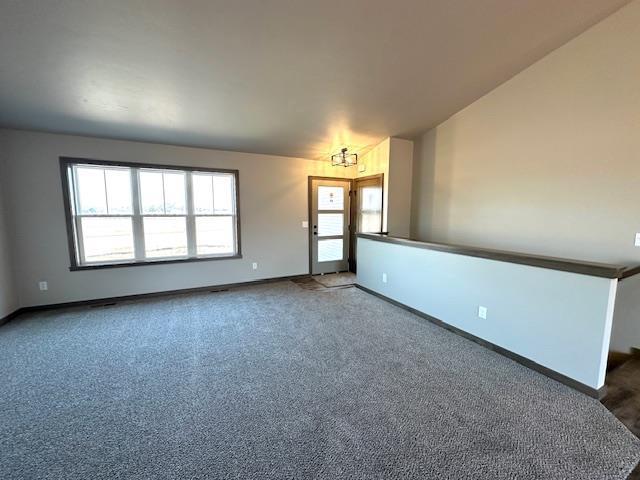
(367,210)
(329,225)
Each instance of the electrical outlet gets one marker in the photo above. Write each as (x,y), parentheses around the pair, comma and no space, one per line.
(254,265)
(482,312)
(384,278)
(637,240)
(305,224)
(43,286)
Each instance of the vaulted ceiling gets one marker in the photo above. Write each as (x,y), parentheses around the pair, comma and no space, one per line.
(290,77)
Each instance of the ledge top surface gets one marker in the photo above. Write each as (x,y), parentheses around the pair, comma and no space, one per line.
(562,264)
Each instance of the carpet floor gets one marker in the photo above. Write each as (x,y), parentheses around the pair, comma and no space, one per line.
(275,381)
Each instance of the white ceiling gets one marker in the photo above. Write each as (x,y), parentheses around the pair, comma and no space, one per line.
(289,77)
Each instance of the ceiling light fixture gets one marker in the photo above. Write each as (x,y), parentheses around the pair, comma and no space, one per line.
(344,159)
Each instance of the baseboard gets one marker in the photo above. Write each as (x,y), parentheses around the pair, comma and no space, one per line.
(142,296)
(11,316)
(570,382)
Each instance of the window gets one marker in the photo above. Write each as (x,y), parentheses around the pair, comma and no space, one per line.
(370,209)
(132,214)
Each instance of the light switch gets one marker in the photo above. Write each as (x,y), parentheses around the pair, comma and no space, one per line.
(362,168)
(305,224)
(637,239)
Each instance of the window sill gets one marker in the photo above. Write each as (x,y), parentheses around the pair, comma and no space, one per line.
(75,268)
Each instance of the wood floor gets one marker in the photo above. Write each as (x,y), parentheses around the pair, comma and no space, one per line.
(623,394)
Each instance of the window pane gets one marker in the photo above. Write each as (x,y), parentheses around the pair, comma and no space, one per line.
(174,193)
(91,194)
(330,224)
(329,250)
(371,198)
(223,193)
(118,191)
(370,222)
(214,235)
(107,239)
(330,198)
(202,193)
(165,236)
(151,193)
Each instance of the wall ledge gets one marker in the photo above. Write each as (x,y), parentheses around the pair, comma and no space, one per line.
(563,264)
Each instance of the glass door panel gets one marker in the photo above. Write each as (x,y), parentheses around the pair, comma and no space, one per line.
(330,224)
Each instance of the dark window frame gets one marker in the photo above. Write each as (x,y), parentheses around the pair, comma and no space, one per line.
(66,162)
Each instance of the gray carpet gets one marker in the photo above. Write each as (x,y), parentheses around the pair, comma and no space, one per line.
(275,381)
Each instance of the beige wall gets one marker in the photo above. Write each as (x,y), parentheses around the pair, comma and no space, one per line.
(399,187)
(547,163)
(626,317)
(273,204)
(8,294)
(376,161)
(393,157)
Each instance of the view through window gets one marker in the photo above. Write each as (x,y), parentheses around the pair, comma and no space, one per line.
(125,213)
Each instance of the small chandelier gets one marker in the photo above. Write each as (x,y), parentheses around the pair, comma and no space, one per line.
(344,159)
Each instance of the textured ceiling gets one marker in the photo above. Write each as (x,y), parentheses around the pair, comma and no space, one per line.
(298,78)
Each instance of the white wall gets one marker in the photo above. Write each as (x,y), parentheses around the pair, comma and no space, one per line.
(273,203)
(8,294)
(547,163)
(560,320)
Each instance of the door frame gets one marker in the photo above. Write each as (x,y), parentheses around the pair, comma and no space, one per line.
(354,212)
(309,213)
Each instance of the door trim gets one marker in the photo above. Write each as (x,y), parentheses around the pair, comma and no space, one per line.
(370,177)
(309,213)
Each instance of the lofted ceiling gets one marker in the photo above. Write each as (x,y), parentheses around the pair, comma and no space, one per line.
(288,77)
